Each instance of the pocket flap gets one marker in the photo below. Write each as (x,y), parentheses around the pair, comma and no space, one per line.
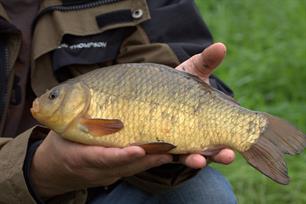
(81,21)
(88,50)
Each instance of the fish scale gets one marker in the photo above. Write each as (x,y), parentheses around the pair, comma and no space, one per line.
(152,86)
(165,111)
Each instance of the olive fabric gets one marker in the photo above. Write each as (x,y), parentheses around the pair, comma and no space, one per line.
(70,38)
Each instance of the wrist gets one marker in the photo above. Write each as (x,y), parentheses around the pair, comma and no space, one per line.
(45,175)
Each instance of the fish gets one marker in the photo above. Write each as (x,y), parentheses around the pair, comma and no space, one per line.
(164,110)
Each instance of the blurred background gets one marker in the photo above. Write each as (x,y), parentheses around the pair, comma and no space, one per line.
(266,68)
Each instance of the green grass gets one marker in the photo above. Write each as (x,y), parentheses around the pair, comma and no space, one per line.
(266,67)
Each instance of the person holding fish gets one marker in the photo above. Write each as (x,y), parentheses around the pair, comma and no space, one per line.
(38,165)
(46,43)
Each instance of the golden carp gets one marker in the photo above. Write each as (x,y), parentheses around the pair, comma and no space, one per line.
(165,110)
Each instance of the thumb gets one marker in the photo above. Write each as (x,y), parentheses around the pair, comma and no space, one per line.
(203,64)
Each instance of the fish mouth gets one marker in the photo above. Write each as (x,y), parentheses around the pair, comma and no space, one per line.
(35,107)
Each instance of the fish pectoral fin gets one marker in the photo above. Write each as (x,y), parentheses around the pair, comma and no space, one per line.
(157,147)
(100,127)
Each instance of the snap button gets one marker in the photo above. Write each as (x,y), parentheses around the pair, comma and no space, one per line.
(137,14)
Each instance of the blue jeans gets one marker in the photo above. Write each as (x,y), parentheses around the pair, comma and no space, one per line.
(208,186)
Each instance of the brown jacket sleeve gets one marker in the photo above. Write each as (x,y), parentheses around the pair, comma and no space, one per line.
(13,187)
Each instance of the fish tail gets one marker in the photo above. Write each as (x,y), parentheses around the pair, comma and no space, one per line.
(267,154)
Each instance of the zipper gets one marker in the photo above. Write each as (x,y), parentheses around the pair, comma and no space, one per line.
(72,7)
(4,70)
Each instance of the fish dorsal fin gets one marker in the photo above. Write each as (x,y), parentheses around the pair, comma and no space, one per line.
(226,97)
(203,83)
(156,147)
(100,127)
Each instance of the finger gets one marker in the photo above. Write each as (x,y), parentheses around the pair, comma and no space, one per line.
(112,157)
(225,156)
(143,164)
(203,64)
(195,161)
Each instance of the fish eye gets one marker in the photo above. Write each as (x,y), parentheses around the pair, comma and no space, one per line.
(54,94)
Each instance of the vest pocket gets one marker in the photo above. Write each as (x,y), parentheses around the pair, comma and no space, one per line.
(88,52)
(69,42)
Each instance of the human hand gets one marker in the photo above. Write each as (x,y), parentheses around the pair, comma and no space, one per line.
(60,166)
(202,65)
